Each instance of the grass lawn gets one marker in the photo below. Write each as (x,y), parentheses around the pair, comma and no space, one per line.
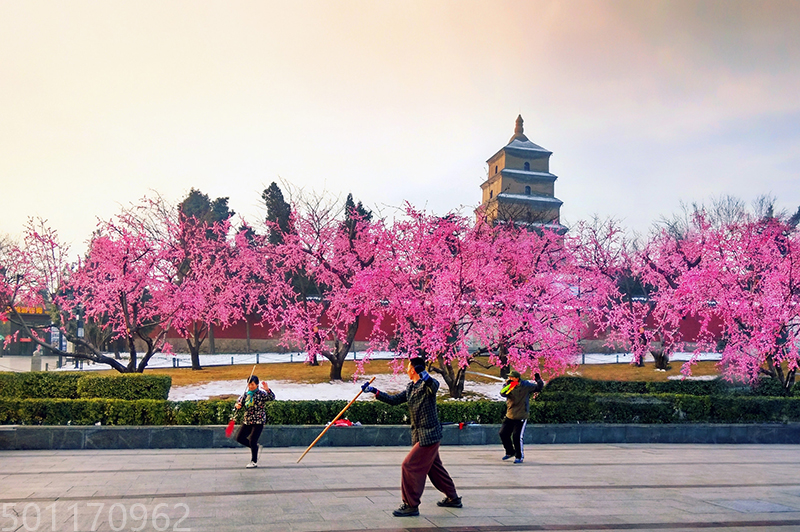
(627,372)
(300,372)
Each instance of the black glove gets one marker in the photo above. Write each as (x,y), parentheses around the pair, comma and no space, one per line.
(369,389)
(537,377)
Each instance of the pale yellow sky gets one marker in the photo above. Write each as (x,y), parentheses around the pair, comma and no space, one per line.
(644,104)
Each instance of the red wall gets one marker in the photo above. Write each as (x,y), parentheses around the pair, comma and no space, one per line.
(689,328)
(238,330)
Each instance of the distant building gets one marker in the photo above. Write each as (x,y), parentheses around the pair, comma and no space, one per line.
(22,344)
(520,188)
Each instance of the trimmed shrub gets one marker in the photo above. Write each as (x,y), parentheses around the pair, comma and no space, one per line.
(483,412)
(129,387)
(40,385)
(213,412)
(686,387)
(562,407)
(53,411)
(302,412)
(140,412)
(756,409)
(768,387)
(376,413)
(74,385)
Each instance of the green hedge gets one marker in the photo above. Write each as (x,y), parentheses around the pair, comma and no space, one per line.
(40,385)
(563,407)
(765,387)
(86,412)
(73,385)
(130,387)
(558,407)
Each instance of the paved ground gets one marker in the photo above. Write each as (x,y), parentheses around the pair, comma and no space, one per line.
(559,487)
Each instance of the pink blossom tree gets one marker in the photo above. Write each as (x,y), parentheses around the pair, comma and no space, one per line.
(125,281)
(454,289)
(749,279)
(539,299)
(604,253)
(643,307)
(200,264)
(38,273)
(323,254)
(664,264)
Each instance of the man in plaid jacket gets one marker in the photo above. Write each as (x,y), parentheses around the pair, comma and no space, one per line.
(426,434)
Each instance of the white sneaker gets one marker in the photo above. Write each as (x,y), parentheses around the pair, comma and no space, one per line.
(251,465)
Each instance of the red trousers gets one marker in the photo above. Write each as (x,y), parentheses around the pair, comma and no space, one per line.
(422,462)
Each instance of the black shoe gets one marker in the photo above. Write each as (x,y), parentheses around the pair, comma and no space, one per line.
(406,511)
(447,502)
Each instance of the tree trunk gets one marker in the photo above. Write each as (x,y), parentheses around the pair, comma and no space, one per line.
(776,372)
(502,354)
(194,351)
(247,327)
(199,333)
(789,384)
(211,347)
(661,357)
(132,352)
(336,371)
(453,379)
(341,350)
(152,345)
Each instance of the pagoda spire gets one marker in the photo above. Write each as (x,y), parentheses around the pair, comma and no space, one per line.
(518,131)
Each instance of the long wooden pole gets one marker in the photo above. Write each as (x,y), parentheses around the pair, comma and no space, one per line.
(332,422)
(487,376)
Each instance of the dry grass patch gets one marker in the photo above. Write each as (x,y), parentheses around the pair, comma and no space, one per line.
(606,372)
(282,371)
(301,372)
(627,372)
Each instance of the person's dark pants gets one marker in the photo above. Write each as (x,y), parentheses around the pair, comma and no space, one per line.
(511,434)
(248,436)
(422,462)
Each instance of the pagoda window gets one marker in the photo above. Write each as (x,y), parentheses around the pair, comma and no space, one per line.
(527,189)
(491,194)
(495,169)
(527,166)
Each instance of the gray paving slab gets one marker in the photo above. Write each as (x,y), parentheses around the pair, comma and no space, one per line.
(559,488)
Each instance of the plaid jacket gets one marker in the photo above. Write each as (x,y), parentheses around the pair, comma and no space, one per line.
(256,414)
(421,398)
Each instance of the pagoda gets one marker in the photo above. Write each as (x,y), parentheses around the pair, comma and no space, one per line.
(519,188)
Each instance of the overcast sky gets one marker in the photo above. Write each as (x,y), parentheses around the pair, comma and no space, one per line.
(643,104)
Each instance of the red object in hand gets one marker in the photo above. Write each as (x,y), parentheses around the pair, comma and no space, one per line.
(229,428)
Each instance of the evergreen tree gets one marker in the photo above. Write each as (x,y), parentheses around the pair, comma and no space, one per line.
(278,213)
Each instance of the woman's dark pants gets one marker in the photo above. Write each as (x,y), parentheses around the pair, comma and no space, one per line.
(248,436)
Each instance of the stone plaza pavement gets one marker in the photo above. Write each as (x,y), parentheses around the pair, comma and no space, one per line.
(559,487)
